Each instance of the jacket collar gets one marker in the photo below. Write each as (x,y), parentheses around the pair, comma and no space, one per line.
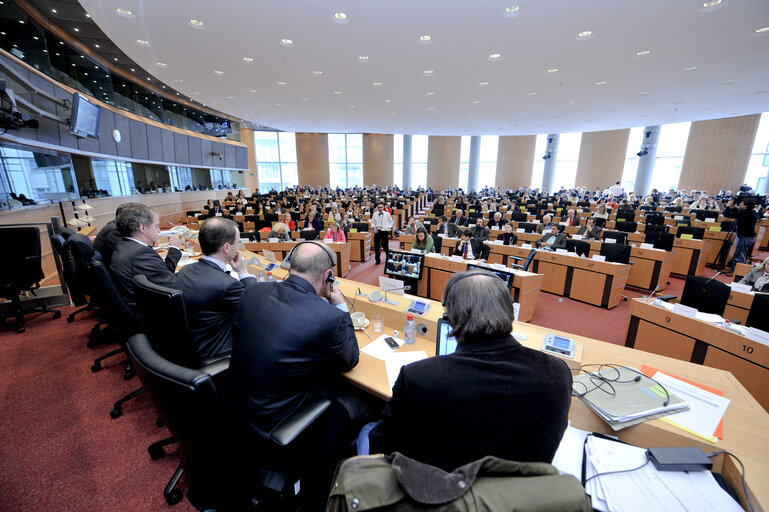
(301,283)
(487,345)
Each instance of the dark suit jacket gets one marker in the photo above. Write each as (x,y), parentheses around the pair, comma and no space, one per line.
(508,238)
(288,345)
(211,298)
(499,224)
(106,241)
(560,240)
(594,233)
(480,250)
(462,221)
(492,397)
(132,258)
(454,230)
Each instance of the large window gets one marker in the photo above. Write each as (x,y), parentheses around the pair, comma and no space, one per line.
(181,178)
(487,161)
(538,169)
(345,159)
(758,166)
(566,161)
(276,160)
(40,177)
(419,144)
(464,162)
(671,149)
(113,176)
(397,161)
(634,143)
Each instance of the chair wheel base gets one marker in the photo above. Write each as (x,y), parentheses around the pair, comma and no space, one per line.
(95,367)
(71,319)
(128,375)
(115,413)
(56,315)
(159,423)
(156,452)
(173,497)
(20,330)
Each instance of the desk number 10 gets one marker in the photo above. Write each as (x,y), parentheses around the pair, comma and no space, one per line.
(747,348)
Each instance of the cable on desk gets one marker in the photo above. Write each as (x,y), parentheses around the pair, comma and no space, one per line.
(742,468)
(620,470)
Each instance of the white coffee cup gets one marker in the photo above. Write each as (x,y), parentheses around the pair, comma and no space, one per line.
(358,319)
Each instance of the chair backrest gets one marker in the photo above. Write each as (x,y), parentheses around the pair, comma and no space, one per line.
(529,259)
(519,217)
(619,236)
(163,319)
(655,228)
(20,260)
(686,221)
(578,246)
(111,303)
(308,234)
(727,225)
(698,233)
(677,209)
(628,215)
(437,243)
(361,226)
(664,242)
(654,219)
(758,317)
(705,294)
(627,227)
(76,254)
(529,227)
(616,253)
(600,221)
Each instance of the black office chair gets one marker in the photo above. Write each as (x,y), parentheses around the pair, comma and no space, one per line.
(74,275)
(21,270)
(361,226)
(528,227)
(527,262)
(600,221)
(578,246)
(703,294)
(619,236)
(513,238)
(625,215)
(686,221)
(674,209)
(627,227)
(654,219)
(308,234)
(655,228)
(518,217)
(437,243)
(616,253)
(664,241)
(758,317)
(727,225)
(697,233)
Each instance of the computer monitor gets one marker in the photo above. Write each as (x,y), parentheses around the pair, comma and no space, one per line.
(445,343)
(404,264)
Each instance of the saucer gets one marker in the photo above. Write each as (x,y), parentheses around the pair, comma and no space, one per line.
(364,325)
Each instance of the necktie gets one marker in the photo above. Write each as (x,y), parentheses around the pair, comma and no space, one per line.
(464,256)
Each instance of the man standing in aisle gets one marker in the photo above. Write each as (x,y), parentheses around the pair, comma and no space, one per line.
(746,232)
(382,223)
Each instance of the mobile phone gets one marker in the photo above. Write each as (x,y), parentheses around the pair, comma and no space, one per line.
(390,341)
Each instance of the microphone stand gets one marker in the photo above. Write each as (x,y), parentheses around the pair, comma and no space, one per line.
(392,302)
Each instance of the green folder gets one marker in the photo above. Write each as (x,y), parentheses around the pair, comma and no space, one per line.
(620,220)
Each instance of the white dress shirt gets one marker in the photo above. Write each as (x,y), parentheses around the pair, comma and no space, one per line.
(382,221)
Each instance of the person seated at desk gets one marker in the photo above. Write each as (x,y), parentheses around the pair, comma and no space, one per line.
(491,397)
(479,230)
(422,241)
(758,277)
(209,205)
(497,221)
(507,236)
(411,226)
(589,231)
(211,295)
(459,220)
(571,219)
(601,213)
(335,234)
(346,224)
(546,224)
(134,254)
(280,231)
(109,236)
(553,240)
(312,222)
(470,248)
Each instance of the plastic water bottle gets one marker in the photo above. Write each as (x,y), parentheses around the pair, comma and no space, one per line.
(270,277)
(410,329)
(260,277)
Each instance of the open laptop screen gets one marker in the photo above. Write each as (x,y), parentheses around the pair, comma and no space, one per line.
(445,343)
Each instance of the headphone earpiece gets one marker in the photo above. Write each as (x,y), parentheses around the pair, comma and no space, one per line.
(330,278)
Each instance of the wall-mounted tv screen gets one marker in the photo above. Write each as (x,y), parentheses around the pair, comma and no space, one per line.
(85,117)
(217,129)
(404,264)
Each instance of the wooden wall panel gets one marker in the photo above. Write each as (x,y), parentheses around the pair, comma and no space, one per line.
(378,159)
(515,158)
(443,153)
(717,153)
(312,159)
(601,158)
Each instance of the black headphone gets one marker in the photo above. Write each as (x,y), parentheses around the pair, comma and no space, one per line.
(330,278)
(452,282)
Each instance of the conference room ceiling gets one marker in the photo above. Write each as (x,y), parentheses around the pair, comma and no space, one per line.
(489,67)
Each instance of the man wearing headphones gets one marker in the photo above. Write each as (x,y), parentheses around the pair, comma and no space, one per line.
(491,397)
(291,342)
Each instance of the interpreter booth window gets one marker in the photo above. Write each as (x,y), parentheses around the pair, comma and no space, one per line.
(464,162)
(32,177)
(634,143)
(181,178)
(345,159)
(671,149)
(108,178)
(567,160)
(397,161)
(757,175)
(538,169)
(487,161)
(419,145)
(276,160)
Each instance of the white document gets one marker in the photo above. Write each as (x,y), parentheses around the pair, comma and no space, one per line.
(742,288)
(568,457)
(647,246)
(709,317)
(757,335)
(706,409)
(379,347)
(562,251)
(686,311)
(387,284)
(498,242)
(456,258)
(678,217)
(273,240)
(520,230)
(525,246)
(516,310)
(598,257)
(535,221)
(610,241)
(498,266)
(577,237)
(396,360)
(245,240)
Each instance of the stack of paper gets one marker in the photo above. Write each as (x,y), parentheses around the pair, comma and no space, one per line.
(621,400)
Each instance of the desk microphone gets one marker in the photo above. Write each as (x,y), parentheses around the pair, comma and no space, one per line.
(392,302)
(705,284)
(652,293)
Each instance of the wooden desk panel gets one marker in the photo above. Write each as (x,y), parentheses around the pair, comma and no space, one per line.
(587,286)
(762,238)
(360,245)
(555,276)
(281,250)
(651,268)
(687,258)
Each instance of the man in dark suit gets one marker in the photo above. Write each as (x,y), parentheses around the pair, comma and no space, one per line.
(291,342)
(479,230)
(211,295)
(109,236)
(491,397)
(471,248)
(134,254)
(590,231)
(459,220)
(497,221)
(553,240)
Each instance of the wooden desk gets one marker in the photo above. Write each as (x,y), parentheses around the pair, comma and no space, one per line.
(762,237)
(658,330)
(281,250)
(687,257)
(360,245)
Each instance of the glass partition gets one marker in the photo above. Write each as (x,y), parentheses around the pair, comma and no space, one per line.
(32,177)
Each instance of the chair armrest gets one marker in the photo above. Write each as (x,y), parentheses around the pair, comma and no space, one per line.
(667,298)
(216,367)
(294,424)
(516,258)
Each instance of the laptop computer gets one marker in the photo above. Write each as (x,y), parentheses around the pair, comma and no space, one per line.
(445,343)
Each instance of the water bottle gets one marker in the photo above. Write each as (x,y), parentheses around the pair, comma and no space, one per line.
(270,277)
(410,329)
(260,277)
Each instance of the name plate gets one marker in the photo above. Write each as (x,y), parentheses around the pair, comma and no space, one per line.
(456,258)
(647,246)
(742,288)
(272,240)
(757,335)
(525,246)
(686,311)
(245,240)
(495,228)
(687,236)
(577,237)
(715,228)
(353,230)
(218,214)
(535,221)
(678,217)
(598,257)
(520,230)
(610,241)
(562,251)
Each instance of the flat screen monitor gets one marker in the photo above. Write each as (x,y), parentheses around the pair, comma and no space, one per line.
(85,117)
(445,343)
(507,277)
(404,264)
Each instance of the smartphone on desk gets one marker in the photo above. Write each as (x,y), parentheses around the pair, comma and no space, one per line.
(391,342)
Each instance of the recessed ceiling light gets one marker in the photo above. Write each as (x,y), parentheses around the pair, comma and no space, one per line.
(230,97)
(377,84)
(317,72)
(337,92)
(76,29)
(305,99)
(218,72)
(149,79)
(677,102)
(248,59)
(495,56)
(573,102)
(690,68)
(352,106)
(585,34)
(363,58)
(287,42)
(124,12)
(511,11)
(388,101)
(430,108)
(281,83)
(483,84)
(428,72)
(762,30)
(425,39)
(142,42)
(711,3)
(162,65)
(196,23)
(531,93)
(643,53)
(475,102)
(21,21)
(601,83)
(727,82)
(252,91)
(87,15)
(552,70)
(54,11)
(643,93)
(279,104)
(95,46)
(340,17)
